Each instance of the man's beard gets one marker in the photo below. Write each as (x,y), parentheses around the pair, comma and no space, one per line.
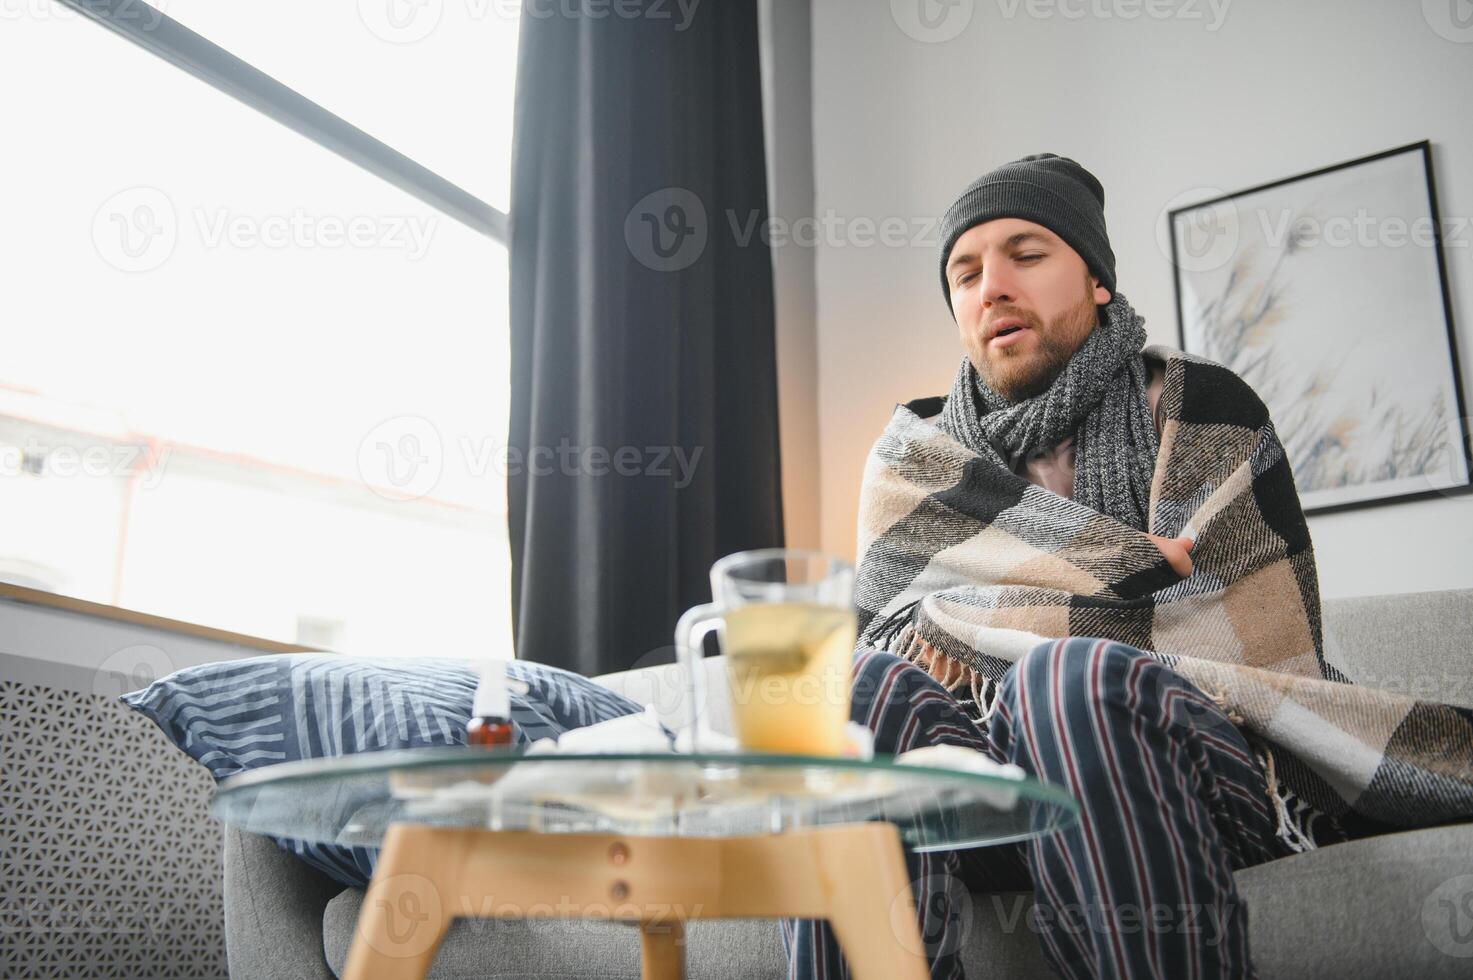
(1017,378)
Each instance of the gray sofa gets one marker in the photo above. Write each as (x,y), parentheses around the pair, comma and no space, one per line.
(1391,906)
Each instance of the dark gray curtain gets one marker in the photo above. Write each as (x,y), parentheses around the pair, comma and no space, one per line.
(644,433)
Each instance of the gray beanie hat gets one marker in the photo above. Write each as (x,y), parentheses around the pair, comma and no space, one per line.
(1044,188)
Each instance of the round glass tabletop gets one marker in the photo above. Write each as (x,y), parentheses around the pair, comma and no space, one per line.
(352,800)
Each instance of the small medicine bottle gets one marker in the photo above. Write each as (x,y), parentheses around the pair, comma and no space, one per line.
(490,724)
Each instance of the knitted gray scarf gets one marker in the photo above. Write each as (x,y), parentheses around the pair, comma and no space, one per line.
(1099,397)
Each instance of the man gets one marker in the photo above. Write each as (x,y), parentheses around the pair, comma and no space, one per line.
(1056,384)
(1014,288)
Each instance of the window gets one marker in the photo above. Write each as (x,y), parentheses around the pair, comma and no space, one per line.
(249,384)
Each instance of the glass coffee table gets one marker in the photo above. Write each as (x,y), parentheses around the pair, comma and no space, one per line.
(654,839)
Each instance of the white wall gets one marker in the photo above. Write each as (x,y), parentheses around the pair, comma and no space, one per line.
(787,113)
(1163,111)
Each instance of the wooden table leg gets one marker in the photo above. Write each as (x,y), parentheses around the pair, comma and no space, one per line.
(854,876)
(404,914)
(662,950)
(873,918)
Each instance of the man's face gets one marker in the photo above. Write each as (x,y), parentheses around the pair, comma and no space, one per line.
(1014,271)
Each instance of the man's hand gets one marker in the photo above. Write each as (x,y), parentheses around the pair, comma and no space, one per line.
(1175,550)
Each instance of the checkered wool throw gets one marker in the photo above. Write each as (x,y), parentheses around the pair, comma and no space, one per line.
(964,560)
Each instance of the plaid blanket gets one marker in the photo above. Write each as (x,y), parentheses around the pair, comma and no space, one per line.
(974,565)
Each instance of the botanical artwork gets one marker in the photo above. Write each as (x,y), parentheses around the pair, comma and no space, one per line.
(1327,294)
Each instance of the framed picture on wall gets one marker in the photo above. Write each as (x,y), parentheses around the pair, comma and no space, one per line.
(1327,293)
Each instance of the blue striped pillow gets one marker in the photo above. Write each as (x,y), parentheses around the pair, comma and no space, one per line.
(244,714)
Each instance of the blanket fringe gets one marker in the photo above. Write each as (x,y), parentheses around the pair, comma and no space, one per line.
(950,674)
(1219,698)
(984,697)
(1292,817)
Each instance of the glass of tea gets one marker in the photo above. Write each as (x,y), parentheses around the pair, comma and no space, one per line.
(785,622)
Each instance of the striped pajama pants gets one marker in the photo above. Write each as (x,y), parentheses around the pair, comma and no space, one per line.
(1172,801)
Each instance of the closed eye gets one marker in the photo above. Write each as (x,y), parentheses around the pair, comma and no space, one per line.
(967,277)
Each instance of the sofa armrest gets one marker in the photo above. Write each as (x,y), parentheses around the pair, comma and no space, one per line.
(664,687)
(273,911)
(1416,643)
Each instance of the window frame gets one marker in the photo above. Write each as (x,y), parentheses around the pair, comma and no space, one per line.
(160,35)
